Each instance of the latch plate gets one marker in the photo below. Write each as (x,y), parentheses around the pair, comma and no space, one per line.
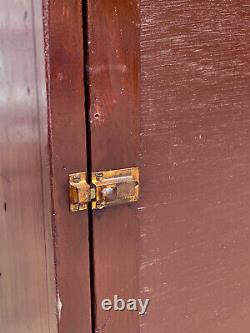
(107,188)
(79,192)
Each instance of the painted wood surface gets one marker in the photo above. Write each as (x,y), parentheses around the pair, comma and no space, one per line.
(64,55)
(27,286)
(195,140)
(113,70)
(192,256)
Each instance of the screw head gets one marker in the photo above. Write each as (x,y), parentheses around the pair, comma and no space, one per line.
(76,178)
(99,176)
(100,205)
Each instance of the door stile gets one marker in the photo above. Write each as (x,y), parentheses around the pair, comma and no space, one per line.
(65,90)
(113,125)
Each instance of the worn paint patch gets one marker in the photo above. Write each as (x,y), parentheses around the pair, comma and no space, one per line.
(59,306)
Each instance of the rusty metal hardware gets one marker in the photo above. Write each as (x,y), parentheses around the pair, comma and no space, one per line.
(79,192)
(107,188)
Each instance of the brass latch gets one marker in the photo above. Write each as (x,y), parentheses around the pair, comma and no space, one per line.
(107,188)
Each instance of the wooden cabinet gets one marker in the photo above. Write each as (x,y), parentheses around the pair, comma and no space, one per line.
(102,85)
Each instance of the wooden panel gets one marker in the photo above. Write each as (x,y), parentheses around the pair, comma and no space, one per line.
(113,97)
(194,212)
(64,51)
(27,287)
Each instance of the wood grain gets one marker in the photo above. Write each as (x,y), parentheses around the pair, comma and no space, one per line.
(27,286)
(195,142)
(64,55)
(113,37)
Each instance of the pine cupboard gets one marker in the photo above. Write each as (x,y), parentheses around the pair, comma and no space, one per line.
(124,165)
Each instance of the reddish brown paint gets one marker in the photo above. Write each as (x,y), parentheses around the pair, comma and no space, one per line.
(64,50)
(27,286)
(195,142)
(194,207)
(113,36)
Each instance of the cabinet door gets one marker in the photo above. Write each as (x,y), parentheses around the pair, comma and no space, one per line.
(67,129)
(44,250)
(163,86)
(194,211)
(185,245)
(113,93)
